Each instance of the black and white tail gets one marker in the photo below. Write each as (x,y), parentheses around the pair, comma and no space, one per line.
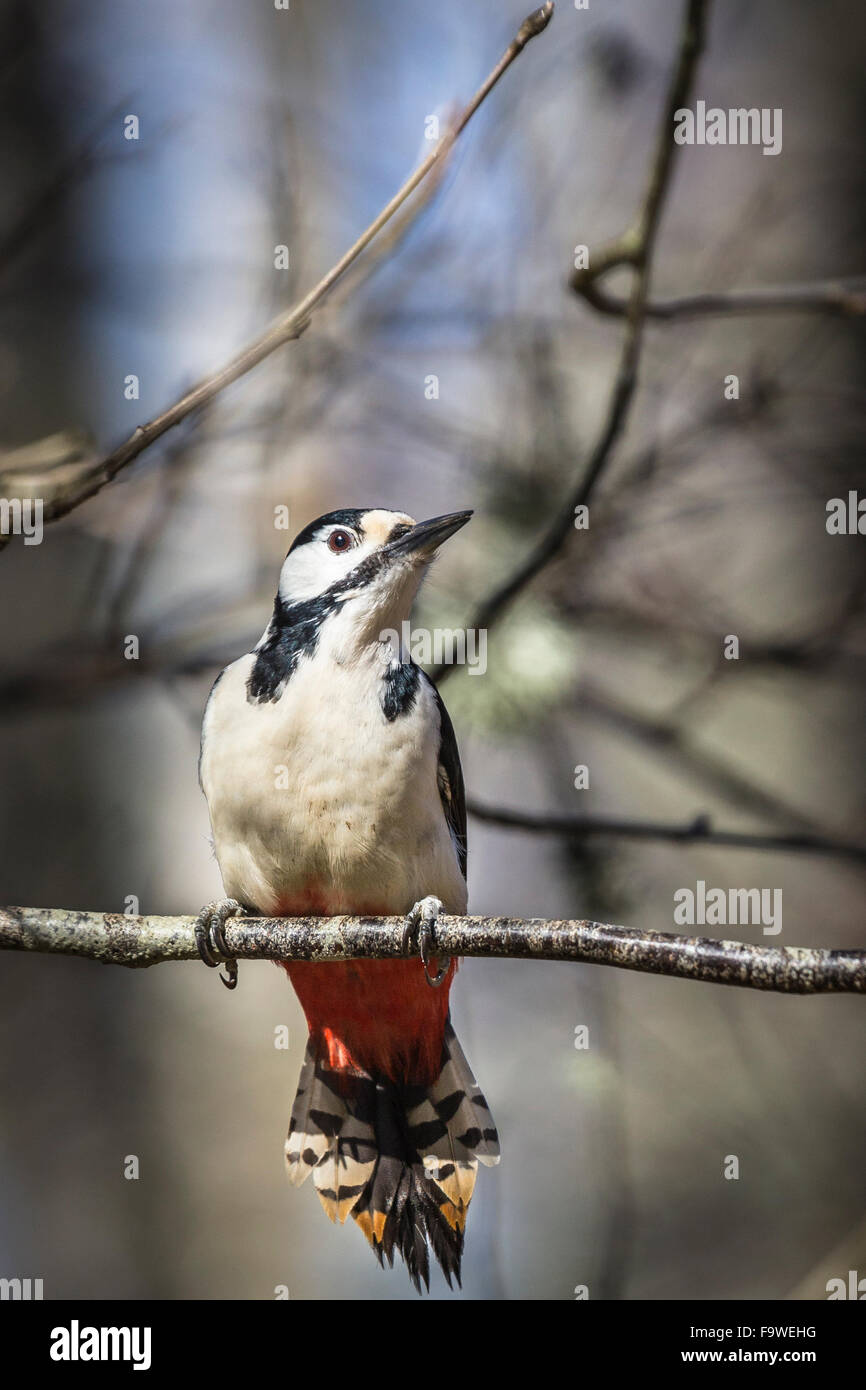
(401,1159)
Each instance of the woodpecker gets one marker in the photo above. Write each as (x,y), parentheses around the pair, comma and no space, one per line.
(334,786)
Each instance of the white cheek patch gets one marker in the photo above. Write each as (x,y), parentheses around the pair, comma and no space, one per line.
(313,568)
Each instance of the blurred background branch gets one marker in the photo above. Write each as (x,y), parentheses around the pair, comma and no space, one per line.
(62,495)
(640,241)
(699,829)
(843,296)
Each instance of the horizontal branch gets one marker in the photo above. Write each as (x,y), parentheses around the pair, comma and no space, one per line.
(699,830)
(115,939)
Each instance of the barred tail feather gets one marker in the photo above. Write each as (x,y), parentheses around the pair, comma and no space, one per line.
(400,1158)
(331,1134)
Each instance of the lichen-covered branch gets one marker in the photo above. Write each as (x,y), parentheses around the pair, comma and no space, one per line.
(115,939)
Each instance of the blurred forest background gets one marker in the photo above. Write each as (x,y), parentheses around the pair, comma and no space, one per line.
(156,257)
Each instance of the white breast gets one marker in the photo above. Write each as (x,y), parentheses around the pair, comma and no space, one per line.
(320,804)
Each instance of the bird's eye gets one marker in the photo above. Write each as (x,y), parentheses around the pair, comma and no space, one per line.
(339,541)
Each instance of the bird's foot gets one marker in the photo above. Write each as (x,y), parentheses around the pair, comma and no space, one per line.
(210,937)
(418,936)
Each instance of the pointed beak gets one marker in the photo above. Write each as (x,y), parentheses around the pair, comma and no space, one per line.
(425,538)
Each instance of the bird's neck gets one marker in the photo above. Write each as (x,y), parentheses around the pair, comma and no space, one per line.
(343,630)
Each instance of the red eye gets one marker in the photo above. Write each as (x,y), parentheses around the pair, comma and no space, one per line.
(339,541)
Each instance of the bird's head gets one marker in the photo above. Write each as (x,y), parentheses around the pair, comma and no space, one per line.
(355,573)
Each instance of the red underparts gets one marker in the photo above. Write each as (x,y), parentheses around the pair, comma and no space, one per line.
(373,1015)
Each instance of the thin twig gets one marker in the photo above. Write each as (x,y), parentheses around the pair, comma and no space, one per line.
(846,297)
(640,241)
(697,831)
(289,325)
(114,939)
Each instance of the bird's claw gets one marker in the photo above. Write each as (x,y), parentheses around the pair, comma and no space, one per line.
(210,938)
(418,935)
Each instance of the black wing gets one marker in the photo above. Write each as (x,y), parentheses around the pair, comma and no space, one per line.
(451,788)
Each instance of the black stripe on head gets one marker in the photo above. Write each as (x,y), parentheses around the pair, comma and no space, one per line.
(293,633)
(294,628)
(350,516)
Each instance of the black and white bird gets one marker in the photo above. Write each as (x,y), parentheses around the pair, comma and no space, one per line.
(334,786)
